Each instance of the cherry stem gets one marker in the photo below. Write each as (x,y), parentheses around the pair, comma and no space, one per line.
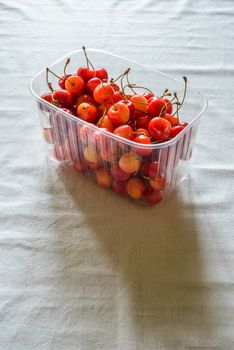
(121,75)
(103,115)
(57,76)
(130,86)
(47,80)
(140,87)
(107,92)
(138,133)
(185,91)
(87,59)
(65,67)
(141,103)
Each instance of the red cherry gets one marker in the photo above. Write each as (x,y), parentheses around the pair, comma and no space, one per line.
(137,114)
(101,73)
(47,97)
(173,120)
(115,86)
(131,107)
(124,131)
(142,131)
(119,187)
(169,106)
(87,112)
(159,128)
(117,97)
(140,102)
(104,122)
(105,106)
(143,121)
(143,139)
(175,130)
(119,113)
(153,169)
(63,97)
(118,174)
(85,98)
(75,85)
(92,84)
(67,111)
(157,107)
(154,197)
(85,73)
(62,80)
(103,92)
(148,95)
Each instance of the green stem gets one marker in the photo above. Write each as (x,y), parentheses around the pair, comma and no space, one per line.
(185,91)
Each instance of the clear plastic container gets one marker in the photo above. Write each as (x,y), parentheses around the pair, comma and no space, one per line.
(85,148)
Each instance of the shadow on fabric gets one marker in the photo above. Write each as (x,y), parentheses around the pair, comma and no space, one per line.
(156,255)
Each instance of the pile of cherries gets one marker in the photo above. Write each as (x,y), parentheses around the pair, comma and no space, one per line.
(117,107)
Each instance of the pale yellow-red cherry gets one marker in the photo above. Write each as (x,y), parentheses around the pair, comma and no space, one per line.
(129,162)
(104,178)
(91,155)
(135,187)
(48,135)
(140,103)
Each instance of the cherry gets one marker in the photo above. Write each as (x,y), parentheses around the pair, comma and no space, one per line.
(148,95)
(157,107)
(118,174)
(87,112)
(101,73)
(115,86)
(62,80)
(124,131)
(47,97)
(67,111)
(63,97)
(135,187)
(104,122)
(117,96)
(103,92)
(143,139)
(140,103)
(48,136)
(157,183)
(105,106)
(131,107)
(85,73)
(172,120)
(129,163)
(169,106)
(159,128)
(153,169)
(85,98)
(118,113)
(143,121)
(92,84)
(75,85)
(175,130)
(141,131)
(103,177)
(91,156)
(154,197)
(119,187)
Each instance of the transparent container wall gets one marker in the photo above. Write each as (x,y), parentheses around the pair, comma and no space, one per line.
(74,143)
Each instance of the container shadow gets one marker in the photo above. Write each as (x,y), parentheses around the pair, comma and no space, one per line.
(157,259)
